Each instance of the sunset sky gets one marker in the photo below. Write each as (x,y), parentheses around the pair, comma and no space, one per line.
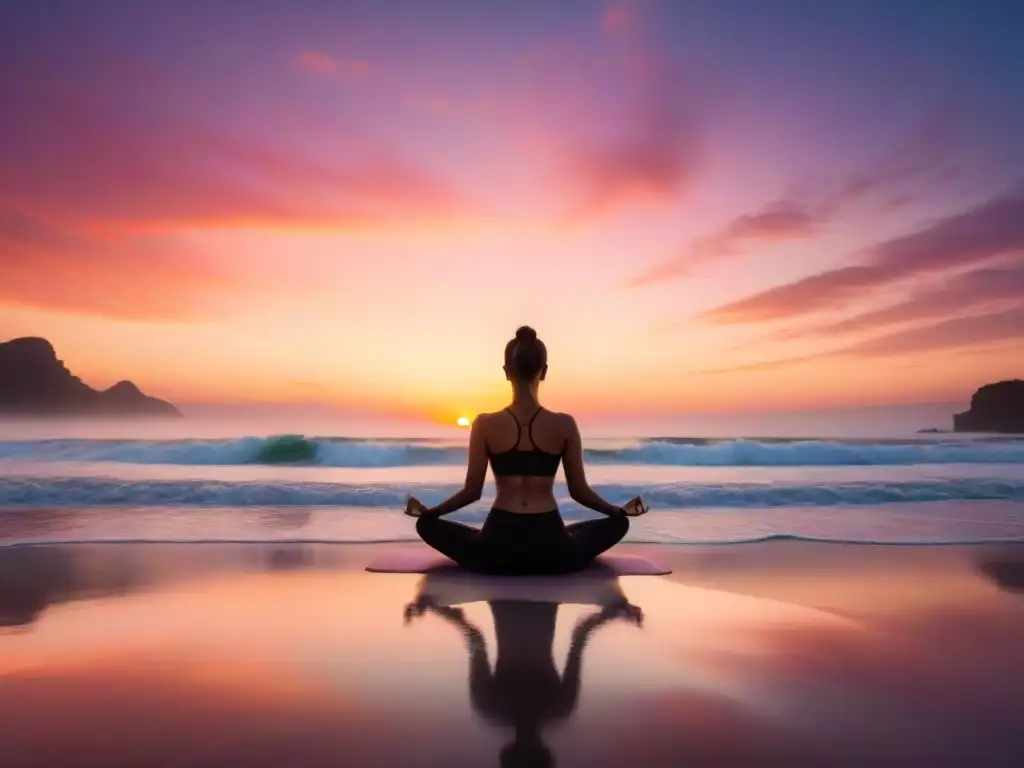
(701,205)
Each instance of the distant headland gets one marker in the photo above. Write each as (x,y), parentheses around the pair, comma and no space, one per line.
(995,407)
(35,382)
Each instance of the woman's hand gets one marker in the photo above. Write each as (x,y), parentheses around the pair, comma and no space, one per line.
(415,508)
(456,616)
(635,507)
(427,604)
(623,610)
(616,610)
(418,607)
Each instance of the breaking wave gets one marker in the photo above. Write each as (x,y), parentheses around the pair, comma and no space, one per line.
(300,450)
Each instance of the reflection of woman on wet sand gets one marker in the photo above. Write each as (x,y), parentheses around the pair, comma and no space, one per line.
(525,690)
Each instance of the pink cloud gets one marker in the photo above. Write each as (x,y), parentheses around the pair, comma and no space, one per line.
(616,18)
(784,220)
(954,333)
(657,160)
(323,64)
(950,297)
(317,62)
(620,119)
(906,173)
(948,334)
(81,155)
(651,148)
(993,229)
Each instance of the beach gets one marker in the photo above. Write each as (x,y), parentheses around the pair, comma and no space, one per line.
(197,599)
(778,653)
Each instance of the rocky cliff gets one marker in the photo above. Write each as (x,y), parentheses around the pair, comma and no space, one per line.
(34,382)
(995,407)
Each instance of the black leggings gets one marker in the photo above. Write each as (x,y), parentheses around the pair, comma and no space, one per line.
(517,543)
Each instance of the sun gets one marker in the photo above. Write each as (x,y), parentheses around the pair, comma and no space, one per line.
(462,421)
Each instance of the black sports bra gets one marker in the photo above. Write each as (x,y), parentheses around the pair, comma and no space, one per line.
(531,462)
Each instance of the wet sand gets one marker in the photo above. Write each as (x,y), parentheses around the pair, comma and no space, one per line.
(291,655)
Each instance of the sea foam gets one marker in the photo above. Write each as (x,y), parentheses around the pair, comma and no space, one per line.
(106,491)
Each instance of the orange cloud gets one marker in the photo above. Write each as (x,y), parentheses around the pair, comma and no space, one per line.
(139,279)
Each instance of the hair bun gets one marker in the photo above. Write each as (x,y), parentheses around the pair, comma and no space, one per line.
(525,334)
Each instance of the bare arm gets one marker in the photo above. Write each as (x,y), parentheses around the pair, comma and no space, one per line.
(569,690)
(476,473)
(570,686)
(481,681)
(576,476)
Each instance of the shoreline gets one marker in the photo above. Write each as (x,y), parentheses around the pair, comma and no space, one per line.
(779,539)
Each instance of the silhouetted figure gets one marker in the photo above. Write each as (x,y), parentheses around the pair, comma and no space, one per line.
(524,444)
(525,690)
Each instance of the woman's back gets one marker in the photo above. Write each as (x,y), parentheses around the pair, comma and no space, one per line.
(525,445)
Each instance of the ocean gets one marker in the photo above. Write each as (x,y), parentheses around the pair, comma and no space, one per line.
(194,483)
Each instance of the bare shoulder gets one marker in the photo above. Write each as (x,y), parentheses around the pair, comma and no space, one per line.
(484,420)
(481,419)
(564,422)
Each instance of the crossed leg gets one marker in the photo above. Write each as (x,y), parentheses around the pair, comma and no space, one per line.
(590,538)
(462,543)
(458,541)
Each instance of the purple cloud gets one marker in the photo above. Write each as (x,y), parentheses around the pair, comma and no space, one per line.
(918,164)
(637,117)
(782,220)
(952,296)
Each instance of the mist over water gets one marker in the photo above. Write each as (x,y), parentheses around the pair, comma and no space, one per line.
(213,422)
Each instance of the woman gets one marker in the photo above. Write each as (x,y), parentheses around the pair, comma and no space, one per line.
(524,533)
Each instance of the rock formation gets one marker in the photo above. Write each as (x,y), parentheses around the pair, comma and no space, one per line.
(995,407)
(34,382)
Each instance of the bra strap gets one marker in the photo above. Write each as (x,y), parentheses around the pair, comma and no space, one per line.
(529,427)
(519,429)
